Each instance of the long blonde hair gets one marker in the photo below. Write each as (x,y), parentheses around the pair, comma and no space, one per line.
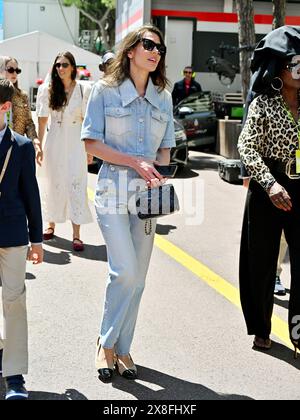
(4,63)
(119,70)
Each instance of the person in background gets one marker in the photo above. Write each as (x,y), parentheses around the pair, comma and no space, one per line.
(185,87)
(19,117)
(20,221)
(63,172)
(269,149)
(129,125)
(107,59)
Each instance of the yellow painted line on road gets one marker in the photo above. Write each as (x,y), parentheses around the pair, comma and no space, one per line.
(223,287)
(213,280)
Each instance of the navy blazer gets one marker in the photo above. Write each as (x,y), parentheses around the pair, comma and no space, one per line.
(179,92)
(20,206)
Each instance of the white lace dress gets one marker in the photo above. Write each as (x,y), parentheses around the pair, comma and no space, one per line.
(63,175)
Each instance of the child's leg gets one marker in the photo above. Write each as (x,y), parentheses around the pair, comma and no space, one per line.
(12,273)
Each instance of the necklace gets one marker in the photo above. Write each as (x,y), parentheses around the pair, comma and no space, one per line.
(68,94)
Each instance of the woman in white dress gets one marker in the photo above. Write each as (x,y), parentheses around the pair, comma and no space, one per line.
(63,172)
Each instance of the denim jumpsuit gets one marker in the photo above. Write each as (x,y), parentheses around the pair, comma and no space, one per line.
(137,126)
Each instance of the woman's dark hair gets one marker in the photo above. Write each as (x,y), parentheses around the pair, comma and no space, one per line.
(57,95)
(272,75)
(119,70)
(270,56)
(7,91)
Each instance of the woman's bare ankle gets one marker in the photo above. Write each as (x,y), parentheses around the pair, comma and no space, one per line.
(108,354)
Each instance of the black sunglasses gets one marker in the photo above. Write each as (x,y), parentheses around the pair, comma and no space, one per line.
(63,65)
(149,45)
(12,70)
(290,66)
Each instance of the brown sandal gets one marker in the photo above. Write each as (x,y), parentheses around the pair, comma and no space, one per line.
(47,236)
(262,344)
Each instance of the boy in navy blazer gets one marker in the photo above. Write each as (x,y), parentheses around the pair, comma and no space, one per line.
(20,222)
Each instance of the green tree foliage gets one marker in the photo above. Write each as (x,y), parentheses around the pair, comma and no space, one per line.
(99,15)
(109,3)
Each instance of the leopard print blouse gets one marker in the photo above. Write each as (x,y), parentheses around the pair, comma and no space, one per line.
(268,133)
(22,122)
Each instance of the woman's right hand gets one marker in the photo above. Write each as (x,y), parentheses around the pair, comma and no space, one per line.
(280,197)
(147,171)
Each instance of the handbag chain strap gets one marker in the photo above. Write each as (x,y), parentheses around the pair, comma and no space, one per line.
(148,223)
(6,163)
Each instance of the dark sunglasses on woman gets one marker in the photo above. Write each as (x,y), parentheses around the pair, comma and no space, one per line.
(149,45)
(290,66)
(63,65)
(12,70)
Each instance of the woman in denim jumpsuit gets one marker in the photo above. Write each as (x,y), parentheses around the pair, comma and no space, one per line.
(129,125)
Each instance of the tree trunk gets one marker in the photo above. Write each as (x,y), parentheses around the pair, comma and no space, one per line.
(245,12)
(102,27)
(279,13)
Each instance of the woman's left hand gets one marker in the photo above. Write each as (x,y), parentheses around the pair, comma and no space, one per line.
(280,197)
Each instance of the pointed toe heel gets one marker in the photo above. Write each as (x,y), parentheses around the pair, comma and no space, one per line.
(130,374)
(104,369)
(127,372)
(105,374)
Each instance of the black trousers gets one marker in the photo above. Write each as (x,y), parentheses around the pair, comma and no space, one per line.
(261,234)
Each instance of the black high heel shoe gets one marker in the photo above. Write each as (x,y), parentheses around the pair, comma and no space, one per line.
(128,372)
(105,370)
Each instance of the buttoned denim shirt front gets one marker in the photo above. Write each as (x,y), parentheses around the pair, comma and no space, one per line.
(136,126)
(128,123)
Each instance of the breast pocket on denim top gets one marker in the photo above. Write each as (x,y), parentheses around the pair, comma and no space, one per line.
(159,121)
(118,124)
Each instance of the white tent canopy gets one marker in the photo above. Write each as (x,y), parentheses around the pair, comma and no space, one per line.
(36,52)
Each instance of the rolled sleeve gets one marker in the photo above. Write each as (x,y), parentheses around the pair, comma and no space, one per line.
(94,121)
(169,141)
(42,101)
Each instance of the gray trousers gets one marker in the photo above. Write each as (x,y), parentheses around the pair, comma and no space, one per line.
(14,341)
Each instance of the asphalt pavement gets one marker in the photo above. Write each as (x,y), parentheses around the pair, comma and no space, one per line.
(190,340)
